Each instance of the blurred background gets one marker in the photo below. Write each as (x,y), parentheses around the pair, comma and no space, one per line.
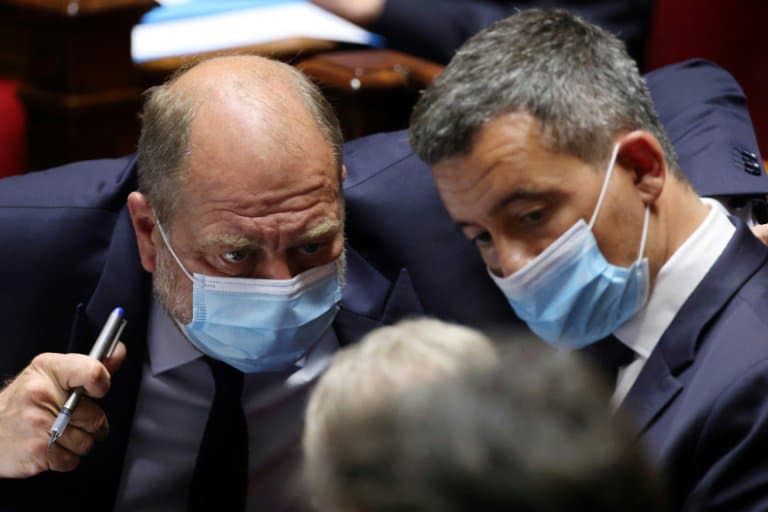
(72,72)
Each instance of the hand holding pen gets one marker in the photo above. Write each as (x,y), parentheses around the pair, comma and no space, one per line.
(102,348)
(30,403)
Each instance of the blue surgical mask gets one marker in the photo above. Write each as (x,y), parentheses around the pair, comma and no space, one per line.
(569,295)
(261,325)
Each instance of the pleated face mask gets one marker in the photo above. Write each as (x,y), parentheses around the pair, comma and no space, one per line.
(261,325)
(569,294)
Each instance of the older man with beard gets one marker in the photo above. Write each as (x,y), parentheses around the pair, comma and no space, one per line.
(234,206)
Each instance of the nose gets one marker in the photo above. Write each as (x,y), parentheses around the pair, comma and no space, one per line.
(274,268)
(512,256)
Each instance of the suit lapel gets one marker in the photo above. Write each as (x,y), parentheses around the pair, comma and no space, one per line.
(654,389)
(124,283)
(662,377)
(370,300)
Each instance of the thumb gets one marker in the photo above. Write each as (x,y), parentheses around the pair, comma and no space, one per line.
(761,232)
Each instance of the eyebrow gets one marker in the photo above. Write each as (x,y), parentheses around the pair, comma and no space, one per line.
(325,228)
(234,241)
(517,195)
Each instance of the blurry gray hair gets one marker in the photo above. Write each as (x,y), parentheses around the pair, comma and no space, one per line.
(532,432)
(387,363)
(574,78)
(166,123)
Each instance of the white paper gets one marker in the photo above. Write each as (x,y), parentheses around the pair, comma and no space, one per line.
(241,28)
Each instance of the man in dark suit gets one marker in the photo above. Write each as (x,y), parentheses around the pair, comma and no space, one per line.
(434,29)
(548,155)
(238,176)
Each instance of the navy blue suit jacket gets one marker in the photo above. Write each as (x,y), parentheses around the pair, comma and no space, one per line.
(701,401)
(434,29)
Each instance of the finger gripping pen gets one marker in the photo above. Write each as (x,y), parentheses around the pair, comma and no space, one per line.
(102,348)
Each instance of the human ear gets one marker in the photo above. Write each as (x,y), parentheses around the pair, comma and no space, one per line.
(641,153)
(143,220)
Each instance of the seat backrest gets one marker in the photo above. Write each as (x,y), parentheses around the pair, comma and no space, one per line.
(13,131)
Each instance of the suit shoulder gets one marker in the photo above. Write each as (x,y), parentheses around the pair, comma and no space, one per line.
(97,184)
(702,81)
(735,346)
(368,156)
(753,297)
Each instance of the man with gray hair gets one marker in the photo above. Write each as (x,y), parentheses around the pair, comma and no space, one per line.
(548,155)
(224,245)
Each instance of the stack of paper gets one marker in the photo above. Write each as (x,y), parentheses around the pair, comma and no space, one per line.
(182,27)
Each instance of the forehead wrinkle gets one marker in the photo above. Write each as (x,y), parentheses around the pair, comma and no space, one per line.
(500,149)
(508,138)
(299,200)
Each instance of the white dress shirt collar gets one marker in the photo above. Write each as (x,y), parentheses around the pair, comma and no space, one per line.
(675,282)
(677,279)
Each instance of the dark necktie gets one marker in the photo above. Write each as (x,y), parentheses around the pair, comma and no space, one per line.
(221,471)
(609,354)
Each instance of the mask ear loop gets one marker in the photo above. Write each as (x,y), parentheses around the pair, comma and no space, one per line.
(601,197)
(173,253)
(644,236)
(606,181)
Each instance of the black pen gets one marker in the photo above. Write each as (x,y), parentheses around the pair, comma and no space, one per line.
(102,348)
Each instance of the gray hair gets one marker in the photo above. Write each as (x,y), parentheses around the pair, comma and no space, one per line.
(574,78)
(387,363)
(533,432)
(166,127)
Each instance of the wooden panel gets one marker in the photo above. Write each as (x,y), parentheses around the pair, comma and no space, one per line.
(82,91)
(78,7)
(77,81)
(371,69)
(371,90)
(287,50)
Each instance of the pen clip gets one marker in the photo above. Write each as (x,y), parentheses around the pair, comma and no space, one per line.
(116,338)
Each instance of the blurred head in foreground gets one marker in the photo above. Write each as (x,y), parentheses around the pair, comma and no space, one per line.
(387,363)
(424,425)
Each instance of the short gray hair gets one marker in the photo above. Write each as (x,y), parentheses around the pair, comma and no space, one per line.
(388,362)
(574,78)
(166,123)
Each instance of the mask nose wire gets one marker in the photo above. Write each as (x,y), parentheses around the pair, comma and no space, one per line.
(173,253)
(606,181)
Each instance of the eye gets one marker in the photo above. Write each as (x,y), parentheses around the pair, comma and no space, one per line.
(482,239)
(310,248)
(235,256)
(532,217)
